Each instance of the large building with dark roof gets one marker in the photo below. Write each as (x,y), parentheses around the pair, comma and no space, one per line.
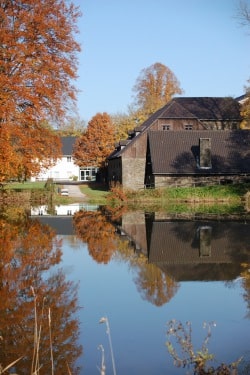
(189,141)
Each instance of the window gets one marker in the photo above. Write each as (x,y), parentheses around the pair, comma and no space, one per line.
(88,174)
(188,127)
(165,127)
(68,159)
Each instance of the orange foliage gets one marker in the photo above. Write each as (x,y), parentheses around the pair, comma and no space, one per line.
(93,147)
(37,65)
(154,285)
(27,250)
(155,86)
(93,228)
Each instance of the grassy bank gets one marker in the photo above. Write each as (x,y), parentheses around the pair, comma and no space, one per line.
(226,198)
(219,193)
(27,185)
(229,199)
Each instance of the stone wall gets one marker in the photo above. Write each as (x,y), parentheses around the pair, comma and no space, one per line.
(191,181)
(133,173)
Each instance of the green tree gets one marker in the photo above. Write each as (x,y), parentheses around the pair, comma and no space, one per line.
(93,147)
(154,87)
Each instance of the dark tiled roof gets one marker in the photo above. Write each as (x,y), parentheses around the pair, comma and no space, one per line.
(175,110)
(201,108)
(211,108)
(178,152)
(67,145)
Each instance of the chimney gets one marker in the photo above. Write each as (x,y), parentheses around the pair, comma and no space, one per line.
(205,153)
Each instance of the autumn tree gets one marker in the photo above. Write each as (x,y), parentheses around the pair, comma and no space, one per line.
(38,63)
(154,87)
(245,110)
(93,147)
(123,124)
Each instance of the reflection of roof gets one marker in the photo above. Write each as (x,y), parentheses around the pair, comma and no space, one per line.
(62,225)
(179,249)
(178,152)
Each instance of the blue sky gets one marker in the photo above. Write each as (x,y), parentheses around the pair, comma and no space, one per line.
(201,41)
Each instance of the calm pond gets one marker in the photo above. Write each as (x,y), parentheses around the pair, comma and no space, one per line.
(92,286)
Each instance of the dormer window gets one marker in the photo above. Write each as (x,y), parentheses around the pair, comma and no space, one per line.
(165,127)
(188,127)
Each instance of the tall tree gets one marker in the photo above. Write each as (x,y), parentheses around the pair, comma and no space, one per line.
(154,87)
(92,148)
(38,63)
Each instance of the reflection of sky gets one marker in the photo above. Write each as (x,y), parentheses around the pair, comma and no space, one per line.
(138,328)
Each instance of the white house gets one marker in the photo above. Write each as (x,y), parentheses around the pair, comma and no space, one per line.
(65,169)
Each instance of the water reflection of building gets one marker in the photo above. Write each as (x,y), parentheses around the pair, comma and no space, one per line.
(62,210)
(61,217)
(190,250)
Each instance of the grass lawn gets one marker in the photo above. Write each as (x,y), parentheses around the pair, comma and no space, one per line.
(27,185)
(95,193)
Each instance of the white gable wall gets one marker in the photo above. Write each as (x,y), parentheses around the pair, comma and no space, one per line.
(64,169)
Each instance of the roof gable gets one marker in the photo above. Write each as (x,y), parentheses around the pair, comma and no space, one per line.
(176,110)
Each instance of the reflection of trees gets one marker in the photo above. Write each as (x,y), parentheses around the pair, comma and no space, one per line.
(153,284)
(246,285)
(99,234)
(93,228)
(114,212)
(27,250)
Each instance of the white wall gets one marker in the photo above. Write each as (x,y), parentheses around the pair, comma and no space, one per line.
(63,170)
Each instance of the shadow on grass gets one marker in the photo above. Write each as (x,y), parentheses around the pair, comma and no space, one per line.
(96,186)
